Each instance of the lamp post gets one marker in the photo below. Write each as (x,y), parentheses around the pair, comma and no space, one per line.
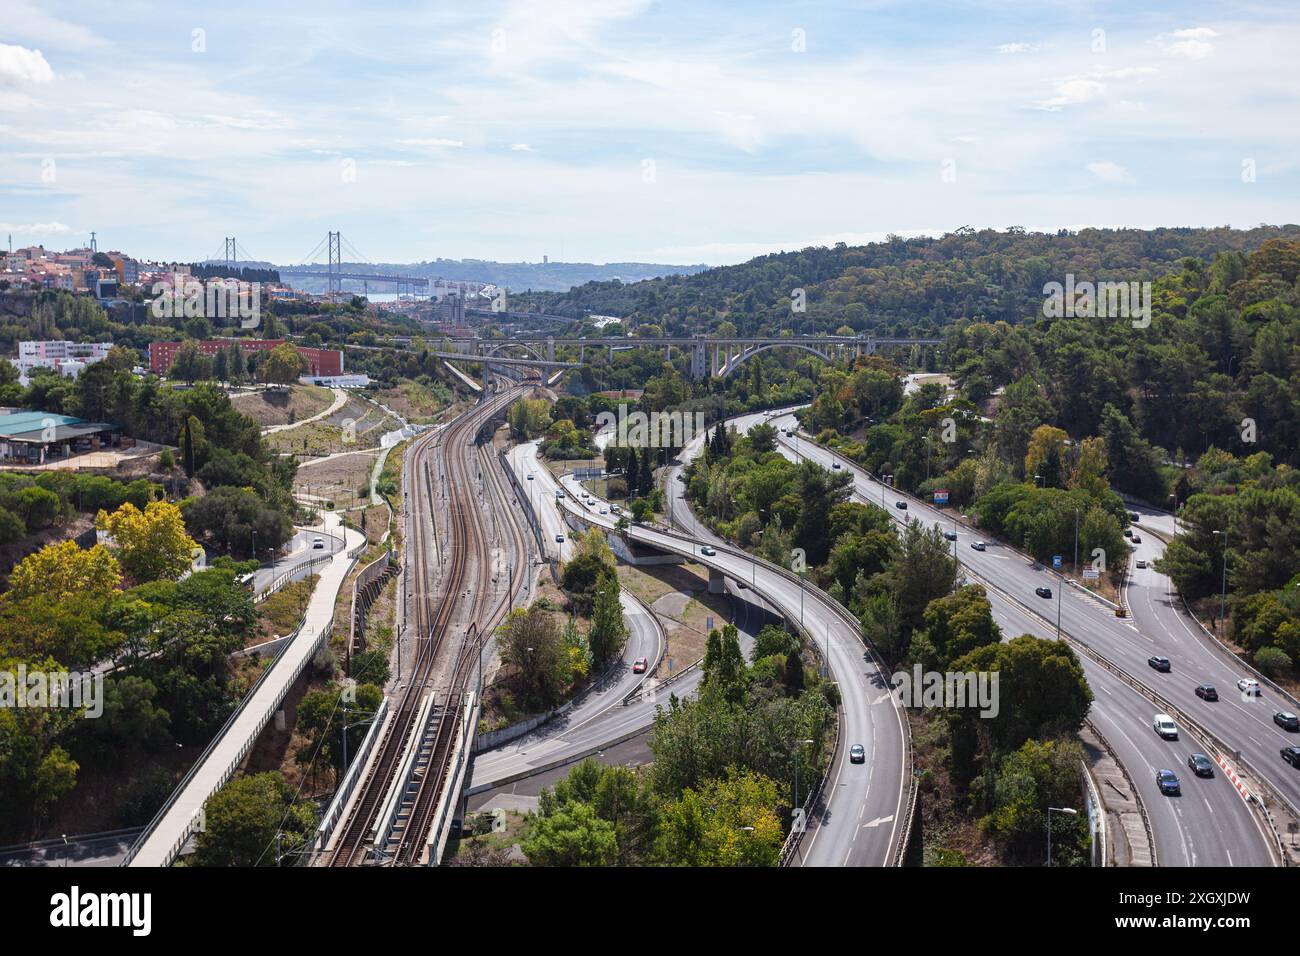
(1050,810)
(807,742)
(885,479)
(1076,540)
(1173,497)
(1223,592)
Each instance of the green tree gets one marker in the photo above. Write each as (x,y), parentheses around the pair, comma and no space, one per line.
(244,817)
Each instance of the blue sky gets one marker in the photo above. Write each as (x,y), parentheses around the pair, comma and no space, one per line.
(634,130)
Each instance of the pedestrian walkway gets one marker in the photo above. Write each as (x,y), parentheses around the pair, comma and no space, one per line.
(180,815)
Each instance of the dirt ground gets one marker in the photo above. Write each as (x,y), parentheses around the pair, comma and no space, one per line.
(412,401)
(679,595)
(281,406)
(327,478)
(356,426)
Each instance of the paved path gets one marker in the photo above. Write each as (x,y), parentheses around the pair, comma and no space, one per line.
(340,399)
(168,831)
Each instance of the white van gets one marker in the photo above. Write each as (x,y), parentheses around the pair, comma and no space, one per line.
(1164,725)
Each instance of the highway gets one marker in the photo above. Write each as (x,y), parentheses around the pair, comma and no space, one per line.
(599,717)
(1210,824)
(860,820)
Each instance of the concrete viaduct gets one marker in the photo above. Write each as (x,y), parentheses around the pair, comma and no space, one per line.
(710,357)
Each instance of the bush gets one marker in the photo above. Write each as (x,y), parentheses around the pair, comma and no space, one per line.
(1273,661)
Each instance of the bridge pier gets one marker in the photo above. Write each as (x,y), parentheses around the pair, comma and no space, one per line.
(717,582)
(550,348)
(699,362)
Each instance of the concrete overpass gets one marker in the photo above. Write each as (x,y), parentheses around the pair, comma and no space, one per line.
(711,356)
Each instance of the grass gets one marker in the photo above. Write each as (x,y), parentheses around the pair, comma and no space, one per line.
(281,612)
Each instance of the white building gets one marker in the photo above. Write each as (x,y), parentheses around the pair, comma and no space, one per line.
(66,358)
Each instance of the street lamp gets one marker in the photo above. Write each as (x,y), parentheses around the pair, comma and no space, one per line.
(1223,593)
(807,742)
(1050,810)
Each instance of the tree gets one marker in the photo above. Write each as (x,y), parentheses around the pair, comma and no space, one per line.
(735,821)
(61,570)
(608,628)
(282,365)
(150,544)
(573,835)
(244,817)
(1044,443)
(190,364)
(530,642)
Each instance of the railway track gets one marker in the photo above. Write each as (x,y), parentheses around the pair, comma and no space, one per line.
(467,576)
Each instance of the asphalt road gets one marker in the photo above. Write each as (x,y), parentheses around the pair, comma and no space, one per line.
(859,821)
(1210,824)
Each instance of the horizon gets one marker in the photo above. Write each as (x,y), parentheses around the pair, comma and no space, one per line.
(635,132)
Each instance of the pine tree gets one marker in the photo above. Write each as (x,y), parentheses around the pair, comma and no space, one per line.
(646,482)
(633,476)
(608,629)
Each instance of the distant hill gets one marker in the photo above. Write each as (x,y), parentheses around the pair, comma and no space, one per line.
(901,286)
(515,276)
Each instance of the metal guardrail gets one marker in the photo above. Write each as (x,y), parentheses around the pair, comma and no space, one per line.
(289,574)
(900,850)
(350,777)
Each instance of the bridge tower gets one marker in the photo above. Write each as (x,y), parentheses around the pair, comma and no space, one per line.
(335,265)
(231,253)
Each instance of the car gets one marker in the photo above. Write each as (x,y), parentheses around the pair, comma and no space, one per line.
(900,505)
(742,586)
(1287,720)
(1164,725)
(1137,539)
(706,550)
(1133,516)
(530,476)
(979,545)
(639,665)
(1141,563)
(615,510)
(1206,692)
(1201,765)
(950,535)
(1128,532)
(1248,686)
(1167,783)
(559,496)
(1292,756)
(1160,663)
(559,539)
(835,465)
(1043,592)
(857,754)
(317,544)
(604,511)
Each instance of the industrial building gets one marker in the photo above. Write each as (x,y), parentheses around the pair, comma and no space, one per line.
(322,362)
(35,437)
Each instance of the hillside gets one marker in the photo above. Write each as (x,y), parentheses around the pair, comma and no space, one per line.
(903,285)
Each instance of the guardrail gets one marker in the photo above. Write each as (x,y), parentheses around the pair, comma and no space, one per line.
(900,850)
(350,777)
(1212,740)
(228,771)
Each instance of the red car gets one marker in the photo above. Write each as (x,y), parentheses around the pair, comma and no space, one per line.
(639,665)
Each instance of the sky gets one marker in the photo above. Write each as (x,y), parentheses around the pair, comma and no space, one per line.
(633,130)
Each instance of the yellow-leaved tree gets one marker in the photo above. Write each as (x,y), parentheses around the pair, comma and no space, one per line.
(62,570)
(150,544)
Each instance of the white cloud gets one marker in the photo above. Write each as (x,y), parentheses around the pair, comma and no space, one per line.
(21,65)
(436,143)
(1012,48)
(1072,90)
(34,228)
(1109,172)
(1193,43)
(521,147)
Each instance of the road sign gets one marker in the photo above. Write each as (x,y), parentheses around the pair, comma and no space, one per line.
(1056,561)
(941,496)
(1091,574)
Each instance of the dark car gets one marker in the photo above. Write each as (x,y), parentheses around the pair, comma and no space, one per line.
(1132,516)
(900,505)
(950,535)
(1292,756)
(1043,592)
(1160,663)
(1207,692)
(1128,532)
(835,465)
(1201,765)
(1286,720)
(1168,783)
(1137,539)
(857,754)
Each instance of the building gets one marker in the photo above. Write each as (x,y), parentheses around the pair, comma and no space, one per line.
(317,362)
(34,438)
(66,358)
